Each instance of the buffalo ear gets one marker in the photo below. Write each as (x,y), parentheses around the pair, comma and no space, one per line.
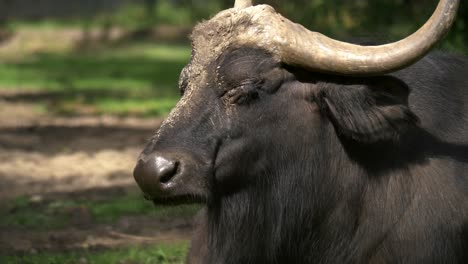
(370,111)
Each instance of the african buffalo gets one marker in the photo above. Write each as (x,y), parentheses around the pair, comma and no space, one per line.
(305,149)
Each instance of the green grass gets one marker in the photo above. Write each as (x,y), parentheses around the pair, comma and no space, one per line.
(155,254)
(137,79)
(53,214)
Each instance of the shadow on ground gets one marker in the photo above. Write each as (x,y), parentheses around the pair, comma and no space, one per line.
(56,139)
(66,185)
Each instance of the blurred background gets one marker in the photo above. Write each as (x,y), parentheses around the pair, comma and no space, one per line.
(84,84)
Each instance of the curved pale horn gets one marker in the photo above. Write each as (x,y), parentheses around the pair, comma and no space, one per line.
(317,52)
(241,4)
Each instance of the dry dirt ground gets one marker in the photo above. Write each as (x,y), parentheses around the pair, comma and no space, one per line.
(46,157)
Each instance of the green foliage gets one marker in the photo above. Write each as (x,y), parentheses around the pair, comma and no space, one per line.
(387,20)
(53,214)
(156,254)
(383,20)
(181,12)
(134,16)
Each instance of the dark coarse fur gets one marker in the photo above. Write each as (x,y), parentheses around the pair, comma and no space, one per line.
(300,167)
(382,179)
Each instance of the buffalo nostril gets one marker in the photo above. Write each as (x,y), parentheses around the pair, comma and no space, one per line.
(165,169)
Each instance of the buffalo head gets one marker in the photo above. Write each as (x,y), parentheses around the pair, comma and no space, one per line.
(254,98)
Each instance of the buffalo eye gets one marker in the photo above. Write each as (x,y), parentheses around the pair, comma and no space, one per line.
(243,94)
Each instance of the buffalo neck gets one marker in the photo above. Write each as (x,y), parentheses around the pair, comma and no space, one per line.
(273,220)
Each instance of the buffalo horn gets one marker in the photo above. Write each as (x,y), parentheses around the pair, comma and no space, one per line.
(317,52)
(241,4)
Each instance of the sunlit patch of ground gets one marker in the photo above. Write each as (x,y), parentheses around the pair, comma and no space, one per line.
(83,152)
